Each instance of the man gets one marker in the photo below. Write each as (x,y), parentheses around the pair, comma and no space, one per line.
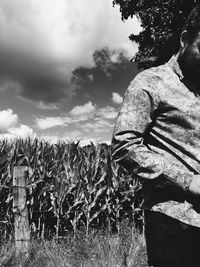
(157,139)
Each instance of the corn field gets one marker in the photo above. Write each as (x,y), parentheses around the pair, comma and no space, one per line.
(69,187)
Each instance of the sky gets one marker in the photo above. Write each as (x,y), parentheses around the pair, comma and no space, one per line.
(64,68)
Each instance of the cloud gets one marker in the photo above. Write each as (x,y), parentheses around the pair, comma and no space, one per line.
(22,131)
(99,127)
(78,114)
(87,108)
(107,112)
(116,98)
(34,79)
(50,122)
(74,135)
(42,105)
(30,67)
(82,112)
(112,72)
(10,126)
(43,41)
(96,128)
(85,141)
(7,120)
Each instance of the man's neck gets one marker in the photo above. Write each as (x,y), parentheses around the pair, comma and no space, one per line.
(177,66)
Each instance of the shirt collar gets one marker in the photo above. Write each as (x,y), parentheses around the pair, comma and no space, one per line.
(173,63)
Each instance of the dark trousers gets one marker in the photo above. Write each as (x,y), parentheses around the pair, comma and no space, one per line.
(171,243)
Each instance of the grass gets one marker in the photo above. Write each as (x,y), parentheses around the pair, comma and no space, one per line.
(125,249)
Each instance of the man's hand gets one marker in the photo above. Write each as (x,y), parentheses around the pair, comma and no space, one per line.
(194,187)
(193,195)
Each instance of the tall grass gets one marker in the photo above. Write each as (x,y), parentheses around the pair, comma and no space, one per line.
(101,249)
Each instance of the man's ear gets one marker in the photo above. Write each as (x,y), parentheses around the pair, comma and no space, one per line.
(184,38)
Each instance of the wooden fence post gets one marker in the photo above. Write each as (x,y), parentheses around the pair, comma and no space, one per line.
(21,223)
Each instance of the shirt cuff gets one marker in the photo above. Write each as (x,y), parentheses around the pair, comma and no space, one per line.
(187,181)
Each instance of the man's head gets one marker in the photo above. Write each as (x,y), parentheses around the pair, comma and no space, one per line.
(192,24)
(189,53)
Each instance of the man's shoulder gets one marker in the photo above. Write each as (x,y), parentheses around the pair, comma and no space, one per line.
(155,73)
(155,80)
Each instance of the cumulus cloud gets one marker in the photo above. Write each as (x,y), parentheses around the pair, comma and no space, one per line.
(87,108)
(50,122)
(97,127)
(22,131)
(116,98)
(8,119)
(87,117)
(10,126)
(43,41)
(77,114)
(107,112)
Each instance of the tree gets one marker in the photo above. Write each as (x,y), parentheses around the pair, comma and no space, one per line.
(111,70)
(162,21)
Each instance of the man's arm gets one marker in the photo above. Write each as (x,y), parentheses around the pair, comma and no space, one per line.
(128,147)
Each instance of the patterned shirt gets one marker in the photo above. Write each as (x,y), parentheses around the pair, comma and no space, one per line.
(157,139)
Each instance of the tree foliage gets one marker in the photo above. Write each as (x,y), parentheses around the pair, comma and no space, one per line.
(162,21)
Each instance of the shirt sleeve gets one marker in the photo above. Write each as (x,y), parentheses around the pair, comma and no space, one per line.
(130,144)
